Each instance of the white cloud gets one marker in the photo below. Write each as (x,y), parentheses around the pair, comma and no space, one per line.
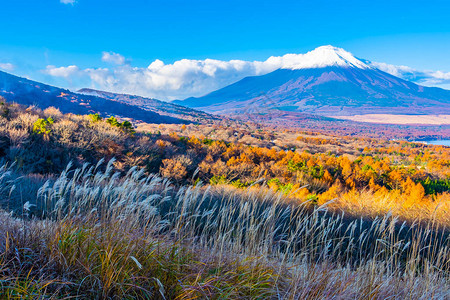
(68,1)
(183,78)
(65,72)
(441,75)
(112,57)
(427,78)
(7,66)
(398,71)
(186,78)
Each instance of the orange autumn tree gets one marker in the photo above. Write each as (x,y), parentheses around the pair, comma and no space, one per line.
(414,192)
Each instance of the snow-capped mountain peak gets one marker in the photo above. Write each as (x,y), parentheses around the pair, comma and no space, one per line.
(327,81)
(321,57)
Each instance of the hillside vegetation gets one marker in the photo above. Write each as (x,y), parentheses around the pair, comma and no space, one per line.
(93,208)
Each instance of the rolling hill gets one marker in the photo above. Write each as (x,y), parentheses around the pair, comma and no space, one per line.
(28,92)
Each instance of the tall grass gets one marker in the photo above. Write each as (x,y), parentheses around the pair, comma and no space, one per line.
(103,235)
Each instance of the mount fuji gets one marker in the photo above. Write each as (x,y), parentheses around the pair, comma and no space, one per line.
(327,81)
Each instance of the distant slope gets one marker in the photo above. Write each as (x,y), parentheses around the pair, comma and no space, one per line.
(335,83)
(28,92)
(154,105)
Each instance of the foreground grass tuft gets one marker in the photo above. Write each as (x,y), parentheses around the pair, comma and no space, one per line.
(92,234)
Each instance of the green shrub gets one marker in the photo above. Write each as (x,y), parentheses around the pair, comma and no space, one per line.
(218,180)
(313,199)
(239,184)
(95,118)
(42,126)
(126,126)
(113,121)
(4,109)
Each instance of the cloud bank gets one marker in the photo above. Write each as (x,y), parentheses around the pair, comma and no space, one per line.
(186,78)
(65,72)
(183,78)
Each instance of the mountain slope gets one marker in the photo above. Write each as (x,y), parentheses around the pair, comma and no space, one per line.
(28,92)
(327,81)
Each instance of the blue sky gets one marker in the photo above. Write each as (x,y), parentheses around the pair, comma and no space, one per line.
(38,34)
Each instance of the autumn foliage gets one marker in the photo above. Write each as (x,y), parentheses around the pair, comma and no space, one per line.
(411,179)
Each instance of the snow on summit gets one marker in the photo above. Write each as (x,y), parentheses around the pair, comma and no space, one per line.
(321,57)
